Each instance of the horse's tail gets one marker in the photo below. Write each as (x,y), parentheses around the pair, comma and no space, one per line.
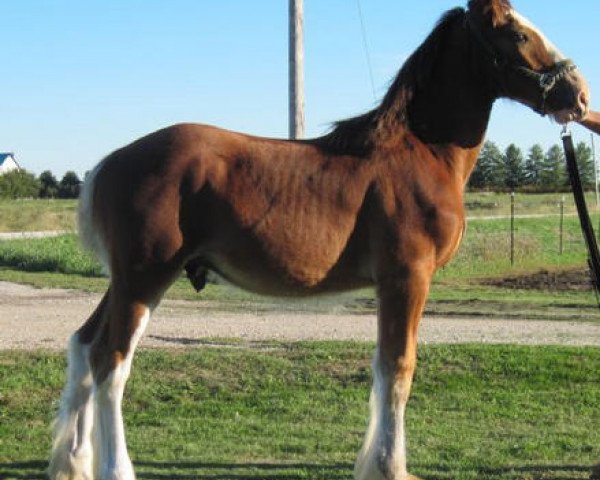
(90,233)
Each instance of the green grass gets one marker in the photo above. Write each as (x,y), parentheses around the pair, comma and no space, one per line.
(296,411)
(30,215)
(61,254)
(485,250)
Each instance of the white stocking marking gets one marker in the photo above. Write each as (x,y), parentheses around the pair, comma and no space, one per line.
(384,444)
(72,447)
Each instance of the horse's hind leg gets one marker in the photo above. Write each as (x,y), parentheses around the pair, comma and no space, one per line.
(72,451)
(110,358)
(129,305)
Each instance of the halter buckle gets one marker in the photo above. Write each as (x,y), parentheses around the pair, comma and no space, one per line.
(547,81)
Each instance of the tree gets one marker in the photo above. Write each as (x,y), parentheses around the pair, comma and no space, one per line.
(585,162)
(489,171)
(48,185)
(479,176)
(513,162)
(532,169)
(18,184)
(553,174)
(69,185)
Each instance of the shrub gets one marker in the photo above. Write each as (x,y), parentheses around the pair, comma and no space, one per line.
(19,184)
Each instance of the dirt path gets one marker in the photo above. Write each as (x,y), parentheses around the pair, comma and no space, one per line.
(32,318)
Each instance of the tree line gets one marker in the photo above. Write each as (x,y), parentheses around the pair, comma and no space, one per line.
(23,184)
(538,171)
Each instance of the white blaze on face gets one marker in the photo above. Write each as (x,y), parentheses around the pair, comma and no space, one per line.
(580,89)
(550,47)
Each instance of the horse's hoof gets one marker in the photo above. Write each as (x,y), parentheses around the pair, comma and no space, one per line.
(412,477)
(70,467)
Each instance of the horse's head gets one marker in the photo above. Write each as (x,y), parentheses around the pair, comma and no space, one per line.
(526,66)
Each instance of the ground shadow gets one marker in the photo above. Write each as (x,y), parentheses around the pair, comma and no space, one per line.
(35,469)
(28,470)
(532,472)
(147,470)
(241,471)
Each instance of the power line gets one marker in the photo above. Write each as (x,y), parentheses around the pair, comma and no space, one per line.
(366,48)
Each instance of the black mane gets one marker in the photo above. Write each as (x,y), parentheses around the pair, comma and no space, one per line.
(355,136)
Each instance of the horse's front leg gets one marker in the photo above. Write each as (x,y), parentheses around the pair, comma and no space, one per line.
(401,303)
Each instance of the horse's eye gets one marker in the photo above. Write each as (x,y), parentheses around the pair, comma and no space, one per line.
(521,37)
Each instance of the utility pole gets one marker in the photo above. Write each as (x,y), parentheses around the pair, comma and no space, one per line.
(296,59)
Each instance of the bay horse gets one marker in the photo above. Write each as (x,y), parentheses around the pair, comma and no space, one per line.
(376,201)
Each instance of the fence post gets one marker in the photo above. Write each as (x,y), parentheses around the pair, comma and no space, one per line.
(562,215)
(512,229)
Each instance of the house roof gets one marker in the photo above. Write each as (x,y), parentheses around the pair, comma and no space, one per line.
(5,156)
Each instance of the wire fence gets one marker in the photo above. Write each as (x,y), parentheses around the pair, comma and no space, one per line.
(522,231)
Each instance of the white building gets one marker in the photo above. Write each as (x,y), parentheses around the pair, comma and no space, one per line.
(8,163)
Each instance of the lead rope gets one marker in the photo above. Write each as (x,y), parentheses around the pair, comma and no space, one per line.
(584,216)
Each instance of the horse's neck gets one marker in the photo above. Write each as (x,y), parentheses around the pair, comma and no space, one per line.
(453,125)
(452,113)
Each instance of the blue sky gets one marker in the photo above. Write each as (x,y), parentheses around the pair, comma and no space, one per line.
(80,79)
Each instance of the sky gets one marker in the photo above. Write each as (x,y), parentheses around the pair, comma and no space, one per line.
(80,79)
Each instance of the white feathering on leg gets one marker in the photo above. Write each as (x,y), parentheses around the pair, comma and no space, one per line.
(366,466)
(72,448)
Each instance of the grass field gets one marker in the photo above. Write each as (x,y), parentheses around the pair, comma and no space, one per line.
(485,250)
(481,204)
(296,411)
(27,215)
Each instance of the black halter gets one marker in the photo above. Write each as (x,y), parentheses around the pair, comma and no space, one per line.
(546,80)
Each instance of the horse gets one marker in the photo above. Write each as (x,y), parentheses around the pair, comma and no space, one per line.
(376,201)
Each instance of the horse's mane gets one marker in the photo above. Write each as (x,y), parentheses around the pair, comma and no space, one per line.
(355,135)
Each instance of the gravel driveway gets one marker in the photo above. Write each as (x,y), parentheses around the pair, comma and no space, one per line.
(33,318)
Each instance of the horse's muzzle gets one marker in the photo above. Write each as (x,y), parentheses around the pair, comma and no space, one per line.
(570,101)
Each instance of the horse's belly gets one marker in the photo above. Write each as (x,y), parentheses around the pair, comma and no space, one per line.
(288,268)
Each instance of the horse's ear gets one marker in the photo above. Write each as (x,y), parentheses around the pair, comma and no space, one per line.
(496,12)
